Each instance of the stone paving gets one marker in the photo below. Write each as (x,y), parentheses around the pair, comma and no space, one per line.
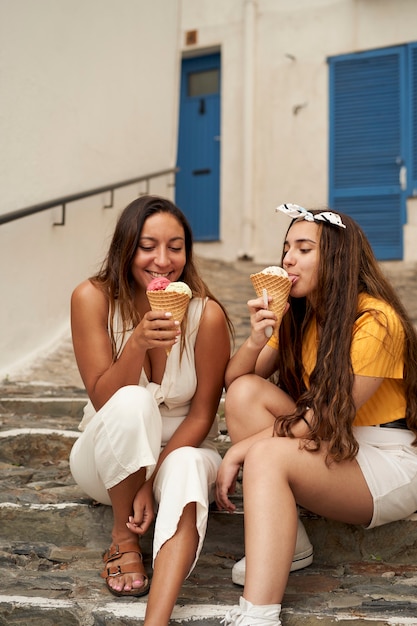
(52,535)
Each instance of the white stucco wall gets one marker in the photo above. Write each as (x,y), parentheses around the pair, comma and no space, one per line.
(287,159)
(90,93)
(89,97)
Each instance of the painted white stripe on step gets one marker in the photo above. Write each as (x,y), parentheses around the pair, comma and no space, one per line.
(186,613)
(339,617)
(46,603)
(63,505)
(189,613)
(13,432)
(41,507)
(135,609)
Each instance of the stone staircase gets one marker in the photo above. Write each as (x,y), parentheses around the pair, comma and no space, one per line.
(52,537)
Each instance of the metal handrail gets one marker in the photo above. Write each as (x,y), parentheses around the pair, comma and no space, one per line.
(62,202)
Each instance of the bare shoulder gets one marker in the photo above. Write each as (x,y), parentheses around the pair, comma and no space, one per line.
(213,313)
(87,292)
(88,299)
(213,340)
(213,322)
(86,289)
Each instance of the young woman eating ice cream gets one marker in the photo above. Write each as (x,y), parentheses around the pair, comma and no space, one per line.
(337,433)
(154,387)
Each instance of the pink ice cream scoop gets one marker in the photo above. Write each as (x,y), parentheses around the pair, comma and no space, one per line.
(164,295)
(158,284)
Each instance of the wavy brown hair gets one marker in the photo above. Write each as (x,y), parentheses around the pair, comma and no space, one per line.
(347,268)
(115,275)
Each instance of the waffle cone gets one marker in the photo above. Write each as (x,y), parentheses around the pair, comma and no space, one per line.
(175,303)
(278,287)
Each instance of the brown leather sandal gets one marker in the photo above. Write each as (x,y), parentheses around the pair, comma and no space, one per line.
(112,571)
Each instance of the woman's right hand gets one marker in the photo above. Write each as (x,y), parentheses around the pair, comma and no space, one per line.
(143,510)
(102,374)
(260,319)
(157,329)
(254,355)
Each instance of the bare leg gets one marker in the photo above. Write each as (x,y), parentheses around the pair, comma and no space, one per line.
(172,564)
(252,404)
(277,475)
(122,496)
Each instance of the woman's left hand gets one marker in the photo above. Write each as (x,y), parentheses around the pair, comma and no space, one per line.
(226,481)
(143,510)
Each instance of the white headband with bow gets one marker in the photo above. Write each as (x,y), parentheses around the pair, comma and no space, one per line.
(295,211)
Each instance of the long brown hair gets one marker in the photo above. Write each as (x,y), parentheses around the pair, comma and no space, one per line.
(347,268)
(115,276)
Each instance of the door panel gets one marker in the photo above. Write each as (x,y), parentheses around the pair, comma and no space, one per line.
(368,145)
(197,182)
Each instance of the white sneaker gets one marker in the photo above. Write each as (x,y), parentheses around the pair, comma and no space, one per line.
(248,614)
(303,556)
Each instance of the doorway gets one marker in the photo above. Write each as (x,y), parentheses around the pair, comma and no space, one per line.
(197,190)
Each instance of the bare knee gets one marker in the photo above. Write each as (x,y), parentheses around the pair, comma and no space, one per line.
(252,404)
(128,406)
(278,455)
(239,404)
(240,390)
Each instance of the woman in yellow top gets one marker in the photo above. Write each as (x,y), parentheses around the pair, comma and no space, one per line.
(343,412)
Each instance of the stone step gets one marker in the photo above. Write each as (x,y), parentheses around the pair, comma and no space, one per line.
(347,596)
(60,585)
(52,536)
(20,611)
(37,491)
(42,407)
(75,524)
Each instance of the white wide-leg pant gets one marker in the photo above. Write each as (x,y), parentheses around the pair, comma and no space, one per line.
(125,435)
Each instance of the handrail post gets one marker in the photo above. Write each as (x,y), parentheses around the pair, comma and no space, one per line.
(110,206)
(62,222)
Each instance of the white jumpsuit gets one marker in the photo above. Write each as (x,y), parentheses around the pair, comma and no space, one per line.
(127,433)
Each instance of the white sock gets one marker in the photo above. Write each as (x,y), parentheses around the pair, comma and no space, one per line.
(269,612)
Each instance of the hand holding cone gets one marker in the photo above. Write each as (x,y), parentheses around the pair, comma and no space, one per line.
(277,284)
(174,298)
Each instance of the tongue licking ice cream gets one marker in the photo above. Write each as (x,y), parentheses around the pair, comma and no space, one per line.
(164,295)
(277,284)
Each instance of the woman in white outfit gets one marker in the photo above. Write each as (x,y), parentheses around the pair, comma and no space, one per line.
(343,414)
(148,428)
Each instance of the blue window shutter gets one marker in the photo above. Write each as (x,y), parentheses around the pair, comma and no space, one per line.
(367,121)
(367,114)
(412,170)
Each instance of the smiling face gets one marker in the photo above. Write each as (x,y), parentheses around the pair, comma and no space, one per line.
(301,258)
(160,251)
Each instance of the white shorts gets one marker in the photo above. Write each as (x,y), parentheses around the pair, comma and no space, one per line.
(389,464)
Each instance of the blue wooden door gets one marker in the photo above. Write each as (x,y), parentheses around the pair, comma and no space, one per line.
(198,181)
(369,144)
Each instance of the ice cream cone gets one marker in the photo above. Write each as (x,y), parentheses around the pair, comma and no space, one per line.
(175,303)
(278,288)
